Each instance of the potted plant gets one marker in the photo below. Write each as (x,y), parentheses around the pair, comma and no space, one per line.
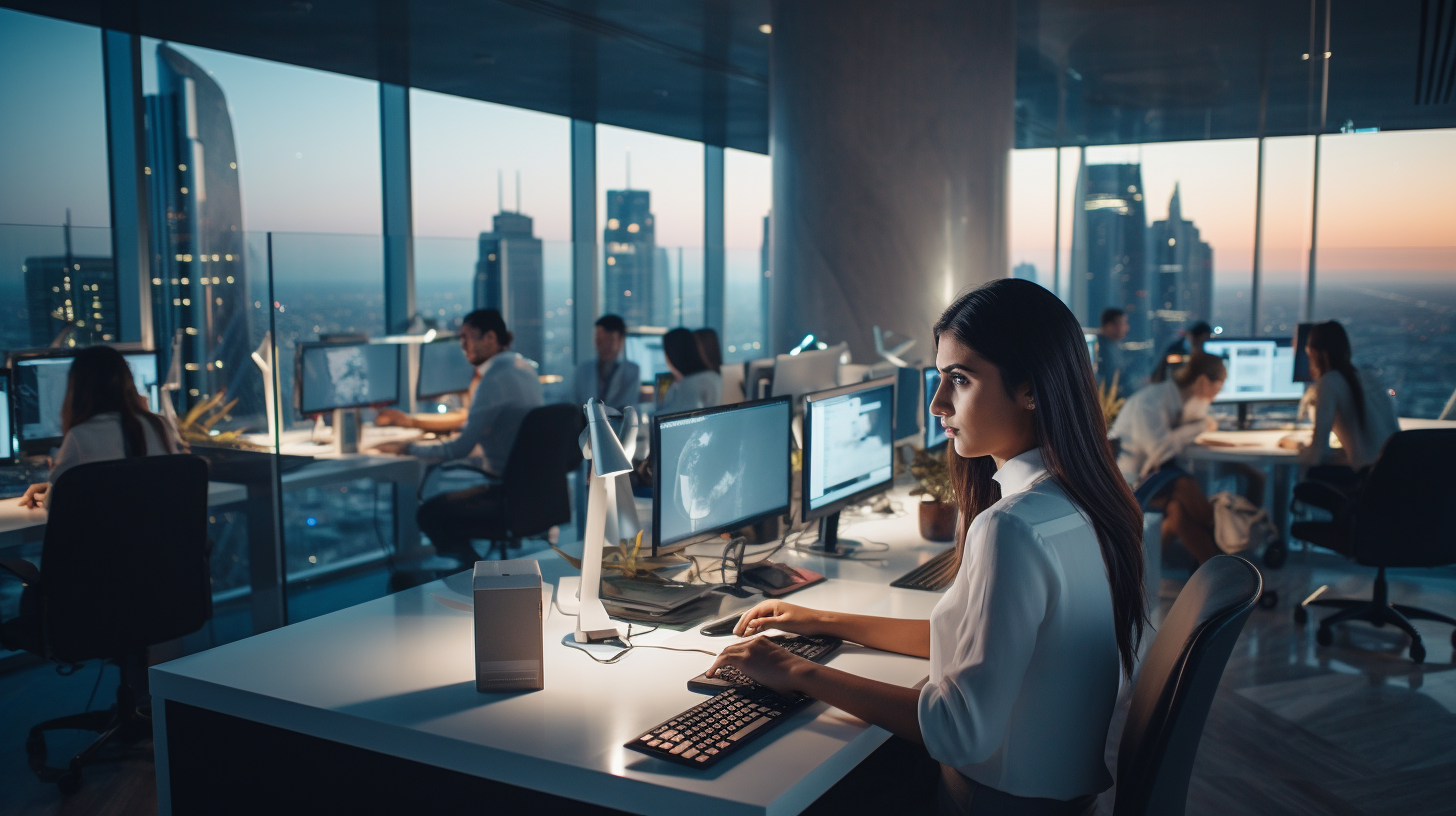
(938,509)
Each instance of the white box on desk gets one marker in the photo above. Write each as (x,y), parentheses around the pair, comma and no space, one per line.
(509,626)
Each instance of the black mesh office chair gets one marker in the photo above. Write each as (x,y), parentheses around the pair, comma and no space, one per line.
(1401,516)
(1176,683)
(124,567)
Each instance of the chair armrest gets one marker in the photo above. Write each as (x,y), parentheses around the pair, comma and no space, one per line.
(22,569)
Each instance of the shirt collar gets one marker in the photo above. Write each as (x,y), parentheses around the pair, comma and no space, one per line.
(499,358)
(1020,472)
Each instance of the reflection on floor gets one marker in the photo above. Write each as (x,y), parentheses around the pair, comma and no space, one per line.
(1354,728)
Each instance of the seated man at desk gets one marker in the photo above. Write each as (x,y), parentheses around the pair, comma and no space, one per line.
(507,389)
(609,378)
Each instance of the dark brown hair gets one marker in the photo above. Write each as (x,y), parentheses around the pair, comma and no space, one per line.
(100,382)
(709,348)
(490,320)
(1032,338)
(1330,339)
(1205,365)
(680,348)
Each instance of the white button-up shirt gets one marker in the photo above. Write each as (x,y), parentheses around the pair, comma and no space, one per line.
(1024,667)
(508,389)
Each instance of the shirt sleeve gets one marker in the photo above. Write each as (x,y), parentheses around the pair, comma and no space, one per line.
(486,406)
(1326,405)
(67,456)
(964,717)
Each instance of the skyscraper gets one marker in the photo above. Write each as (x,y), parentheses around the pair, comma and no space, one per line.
(1183,274)
(71,299)
(1109,245)
(1024,271)
(510,276)
(631,256)
(199,283)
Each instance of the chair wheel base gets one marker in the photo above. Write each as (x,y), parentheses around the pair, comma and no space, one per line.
(1417,652)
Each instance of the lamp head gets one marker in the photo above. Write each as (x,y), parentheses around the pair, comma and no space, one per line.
(608,457)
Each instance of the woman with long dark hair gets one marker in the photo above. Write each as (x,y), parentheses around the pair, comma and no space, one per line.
(103,417)
(1027,646)
(696,385)
(710,349)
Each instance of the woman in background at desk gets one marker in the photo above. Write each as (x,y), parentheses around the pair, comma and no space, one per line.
(697,385)
(1355,405)
(103,418)
(1027,646)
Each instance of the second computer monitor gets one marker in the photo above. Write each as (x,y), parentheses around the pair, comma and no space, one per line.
(934,431)
(39,380)
(907,403)
(1259,370)
(644,347)
(806,372)
(719,469)
(443,370)
(849,451)
(346,375)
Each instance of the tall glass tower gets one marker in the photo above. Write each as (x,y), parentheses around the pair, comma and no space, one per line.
(1183,274)
(1109,246)
(510,276)
(631,257)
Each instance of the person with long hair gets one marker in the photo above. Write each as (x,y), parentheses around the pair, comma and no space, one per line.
(1352,403)
(1046,612)
(710,349)
(695,384)
(103,417)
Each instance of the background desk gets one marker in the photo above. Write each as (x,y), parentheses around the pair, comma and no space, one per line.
(379,701)
(19,523)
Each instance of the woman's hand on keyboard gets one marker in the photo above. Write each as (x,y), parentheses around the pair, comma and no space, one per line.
(779,615)
(768,663)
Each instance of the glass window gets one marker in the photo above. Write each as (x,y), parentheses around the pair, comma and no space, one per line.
(492,221)
(53,172)
(1386,258)
(747,199)
(1288,201)
(1031,209)
(651,227)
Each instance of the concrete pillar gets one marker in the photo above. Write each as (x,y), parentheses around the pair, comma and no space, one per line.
(891,129)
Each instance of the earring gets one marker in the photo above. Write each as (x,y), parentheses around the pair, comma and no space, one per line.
(1031,405)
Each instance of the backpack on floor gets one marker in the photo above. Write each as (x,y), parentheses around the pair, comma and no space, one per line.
(1239,526)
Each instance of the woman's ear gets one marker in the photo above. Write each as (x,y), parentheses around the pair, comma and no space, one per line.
(1024,397)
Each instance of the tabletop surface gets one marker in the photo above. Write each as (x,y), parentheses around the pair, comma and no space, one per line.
(1264,444)
(396,675)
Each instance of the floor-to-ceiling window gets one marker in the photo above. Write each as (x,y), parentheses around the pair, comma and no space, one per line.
(747,200)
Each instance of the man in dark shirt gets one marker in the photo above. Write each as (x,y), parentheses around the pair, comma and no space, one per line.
(1110,356)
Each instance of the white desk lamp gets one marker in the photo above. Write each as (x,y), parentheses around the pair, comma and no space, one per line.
(608,461)
(263,358)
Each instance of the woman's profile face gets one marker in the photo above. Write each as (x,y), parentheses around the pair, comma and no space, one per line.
(980,417)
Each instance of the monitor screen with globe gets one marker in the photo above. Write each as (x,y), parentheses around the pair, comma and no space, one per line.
(719,469)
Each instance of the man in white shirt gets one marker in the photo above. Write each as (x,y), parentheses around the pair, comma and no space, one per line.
(609,378)
(508,389)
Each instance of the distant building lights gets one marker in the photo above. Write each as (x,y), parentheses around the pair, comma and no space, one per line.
(633,228)
(765,29)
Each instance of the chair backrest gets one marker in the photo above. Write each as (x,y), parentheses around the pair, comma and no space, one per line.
(125,563)
(1404,514)
(534,480)
(1175,686)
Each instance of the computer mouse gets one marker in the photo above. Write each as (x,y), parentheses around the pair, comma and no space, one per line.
(723,626)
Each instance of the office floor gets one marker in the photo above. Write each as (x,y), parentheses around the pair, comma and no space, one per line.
(1353,729)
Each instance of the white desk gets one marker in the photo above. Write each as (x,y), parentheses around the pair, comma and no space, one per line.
(395,677)
(14,519)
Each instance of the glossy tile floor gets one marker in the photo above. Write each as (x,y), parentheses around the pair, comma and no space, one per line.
(1354,728)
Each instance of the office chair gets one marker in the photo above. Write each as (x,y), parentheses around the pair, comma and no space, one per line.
(1401,516)
(1175,685)
(125,568)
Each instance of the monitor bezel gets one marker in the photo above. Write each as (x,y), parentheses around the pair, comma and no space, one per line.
(875,489)
(298,351)
(453,340)
(658,545)
(9,408)
(1286,342)
(930,424)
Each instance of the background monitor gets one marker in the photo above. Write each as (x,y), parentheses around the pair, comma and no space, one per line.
(346,375)
(1301,359)
(443,370)
(7,434)
(39,390)
(907,403)
(934,432)
(660,385)
(849,451)
(758,378)
(644,347)
(1091,337)
(1259,370)
(796,375)
(719,469)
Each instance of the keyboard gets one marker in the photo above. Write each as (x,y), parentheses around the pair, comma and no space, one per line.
(809,647)
(932,576)
(704,734)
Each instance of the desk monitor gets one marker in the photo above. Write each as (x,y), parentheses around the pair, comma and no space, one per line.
(660,384)
(934,431)
(331,376)
(1091,337)
(907,403)
(39,390)
(718,470)
(644,347)
(796,375)
(849,452)
(1259,370)
(758,378)
(443,370)
(8,445)
(1301,359)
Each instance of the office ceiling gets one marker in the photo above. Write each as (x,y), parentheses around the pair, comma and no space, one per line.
(1088,71)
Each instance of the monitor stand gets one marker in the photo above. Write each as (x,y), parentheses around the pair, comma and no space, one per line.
(830,543)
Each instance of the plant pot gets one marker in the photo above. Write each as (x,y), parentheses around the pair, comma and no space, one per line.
(937,521)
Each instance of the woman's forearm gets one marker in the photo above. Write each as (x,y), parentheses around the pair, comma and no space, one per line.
(438,423)
(891,707)
(900,635)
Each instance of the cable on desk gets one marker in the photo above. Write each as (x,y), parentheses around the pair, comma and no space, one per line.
(629,646)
